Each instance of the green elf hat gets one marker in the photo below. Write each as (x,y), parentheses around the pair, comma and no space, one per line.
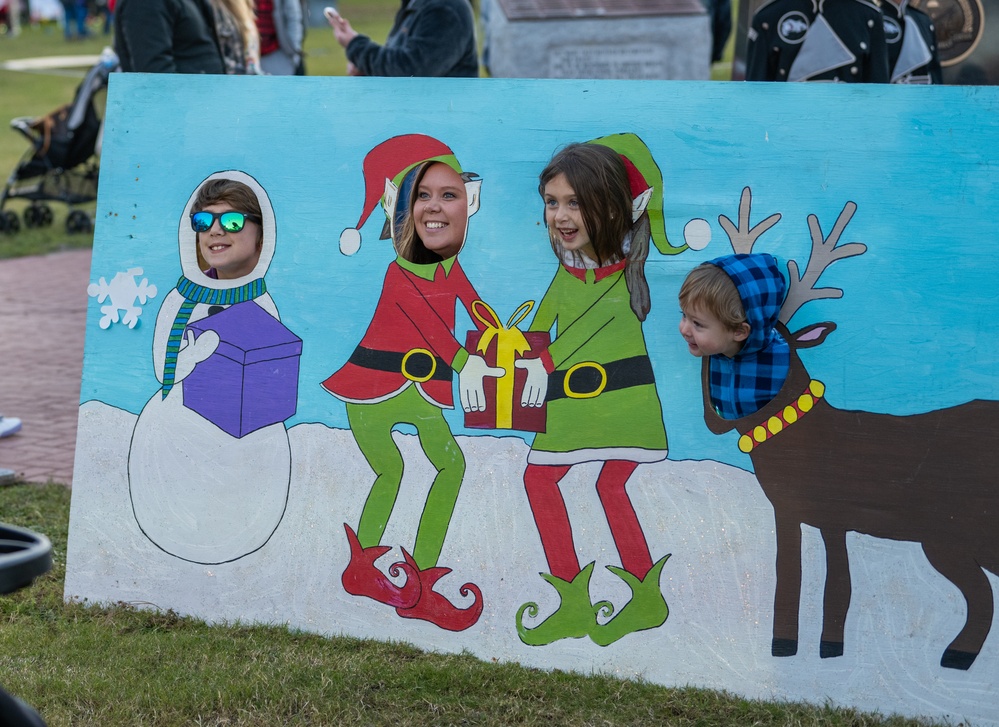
(643,174)
(386,168)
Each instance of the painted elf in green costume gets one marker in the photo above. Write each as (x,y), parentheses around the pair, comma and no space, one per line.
(603,203)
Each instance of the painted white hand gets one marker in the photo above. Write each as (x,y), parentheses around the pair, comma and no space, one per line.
(471,391)
(194,352)
(536,388)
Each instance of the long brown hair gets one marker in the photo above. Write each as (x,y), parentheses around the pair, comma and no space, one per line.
(598,176)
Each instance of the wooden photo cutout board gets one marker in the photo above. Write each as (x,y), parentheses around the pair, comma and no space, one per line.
(288,442)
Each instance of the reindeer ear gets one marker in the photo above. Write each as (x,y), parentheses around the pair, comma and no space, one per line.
(813,335)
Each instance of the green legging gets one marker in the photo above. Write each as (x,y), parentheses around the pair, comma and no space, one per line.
(371,425)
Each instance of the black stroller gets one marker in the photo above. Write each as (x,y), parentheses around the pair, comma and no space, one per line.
(63,163)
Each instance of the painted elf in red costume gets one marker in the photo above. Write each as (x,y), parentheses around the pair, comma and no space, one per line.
(402,370)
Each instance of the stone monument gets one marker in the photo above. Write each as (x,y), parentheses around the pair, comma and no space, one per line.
(618,39)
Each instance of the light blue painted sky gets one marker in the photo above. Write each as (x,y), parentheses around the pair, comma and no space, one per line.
(916,326)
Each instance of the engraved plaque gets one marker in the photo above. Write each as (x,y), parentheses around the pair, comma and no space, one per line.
(635,62)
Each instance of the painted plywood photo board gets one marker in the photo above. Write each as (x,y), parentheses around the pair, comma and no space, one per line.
(512,450)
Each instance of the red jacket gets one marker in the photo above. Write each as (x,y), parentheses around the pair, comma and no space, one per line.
(414,315)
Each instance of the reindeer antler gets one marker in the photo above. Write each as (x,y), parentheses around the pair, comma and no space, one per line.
(824,253)
(744,237)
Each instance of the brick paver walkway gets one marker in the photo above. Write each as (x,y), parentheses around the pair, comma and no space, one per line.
(43,306)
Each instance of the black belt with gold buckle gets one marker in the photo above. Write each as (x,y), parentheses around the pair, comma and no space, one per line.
(588,379)
(417,364)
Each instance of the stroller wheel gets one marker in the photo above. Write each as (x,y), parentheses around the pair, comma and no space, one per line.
(37,215)
(78,221)
(9,222)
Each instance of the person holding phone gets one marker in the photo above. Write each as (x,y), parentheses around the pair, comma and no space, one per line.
(428,38)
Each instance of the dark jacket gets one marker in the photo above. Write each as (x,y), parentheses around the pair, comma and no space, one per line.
(166,36)
(913,57)
(428,38)
(818,40)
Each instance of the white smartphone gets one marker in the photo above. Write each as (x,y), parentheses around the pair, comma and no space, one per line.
(331,14)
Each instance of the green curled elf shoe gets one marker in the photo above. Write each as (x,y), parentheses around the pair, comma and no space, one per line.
(574,618)
(647,608)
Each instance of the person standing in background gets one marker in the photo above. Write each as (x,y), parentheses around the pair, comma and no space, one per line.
(238,39)
(166,36)
(842,41)
(282,29)
(75,15)
(428,38)
(913,57)
(720,14)
(13,17)
(186,36)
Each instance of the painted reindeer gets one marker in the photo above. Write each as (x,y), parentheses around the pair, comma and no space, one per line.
(927,478)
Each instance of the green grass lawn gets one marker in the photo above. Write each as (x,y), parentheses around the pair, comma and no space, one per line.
(124,666)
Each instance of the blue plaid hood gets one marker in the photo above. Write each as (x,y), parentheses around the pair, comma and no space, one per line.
(761,288)
(745,383)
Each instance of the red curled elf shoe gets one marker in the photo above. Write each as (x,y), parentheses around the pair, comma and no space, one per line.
(362,578)
(435,608)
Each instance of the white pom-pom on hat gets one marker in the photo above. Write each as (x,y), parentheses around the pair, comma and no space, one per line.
(697,234)
(350,241)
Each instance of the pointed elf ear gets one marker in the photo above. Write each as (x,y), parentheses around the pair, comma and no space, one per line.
(473,189)
(389,199)
(639,204)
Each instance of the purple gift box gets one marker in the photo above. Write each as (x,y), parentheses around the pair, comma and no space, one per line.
(251,381)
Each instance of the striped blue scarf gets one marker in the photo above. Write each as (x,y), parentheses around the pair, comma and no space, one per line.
(194,294)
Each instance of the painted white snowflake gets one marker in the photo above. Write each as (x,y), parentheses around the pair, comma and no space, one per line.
(126,295)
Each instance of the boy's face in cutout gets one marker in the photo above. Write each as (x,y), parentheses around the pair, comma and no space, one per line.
(232,254)
(707,336)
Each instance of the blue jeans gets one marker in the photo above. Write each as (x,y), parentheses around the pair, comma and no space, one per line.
(76,13)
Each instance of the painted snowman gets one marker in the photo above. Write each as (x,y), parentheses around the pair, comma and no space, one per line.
(198,492)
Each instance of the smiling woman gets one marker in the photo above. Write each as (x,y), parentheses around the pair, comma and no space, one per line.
(436,225)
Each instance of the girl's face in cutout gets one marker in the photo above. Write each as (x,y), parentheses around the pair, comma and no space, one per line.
(232,254)
(564,217)
(440,210)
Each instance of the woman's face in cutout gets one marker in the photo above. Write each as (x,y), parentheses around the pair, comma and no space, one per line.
(232,254)
(440,210)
